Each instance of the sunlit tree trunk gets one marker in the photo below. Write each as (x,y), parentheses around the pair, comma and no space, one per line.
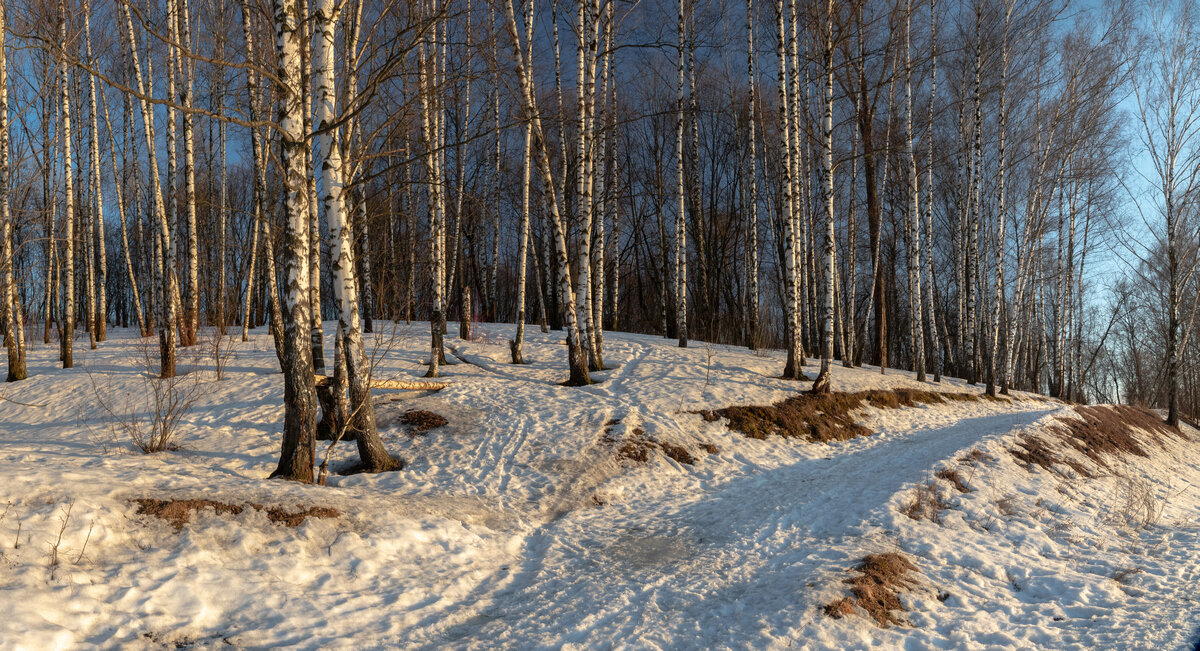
(681,208)
(793,369)
(300,400)
(523,244)
(328,158)
(68,316)
(576,355)
(822,383)
(752,182)
(912,225)
(10,309)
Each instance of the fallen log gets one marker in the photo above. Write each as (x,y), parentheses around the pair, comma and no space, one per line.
(400,385)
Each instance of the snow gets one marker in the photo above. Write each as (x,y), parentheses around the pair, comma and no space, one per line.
(517,526)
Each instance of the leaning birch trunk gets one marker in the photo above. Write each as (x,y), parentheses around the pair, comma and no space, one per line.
(822,383)
(98,281)
(187,68)
(68,316)
(576,355)
(912,225)
(120,195)
(523,244)
(681,207)
(601,203)
(10,309)
(373,457)
(168,307)
(299,396)
(793,369)
(98,301)
(259,170)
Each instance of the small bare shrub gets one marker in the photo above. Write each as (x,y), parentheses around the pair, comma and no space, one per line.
(148,418)
(66,518)
(710,351)
(926,504)
(1123,575)
(1007,506)
(221,349)
(1135,505)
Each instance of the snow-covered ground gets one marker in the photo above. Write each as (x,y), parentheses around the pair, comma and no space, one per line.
(517,525)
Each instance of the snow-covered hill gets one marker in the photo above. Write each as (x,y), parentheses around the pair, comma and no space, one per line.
(544,516)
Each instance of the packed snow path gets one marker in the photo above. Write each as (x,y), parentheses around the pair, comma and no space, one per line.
(516,524)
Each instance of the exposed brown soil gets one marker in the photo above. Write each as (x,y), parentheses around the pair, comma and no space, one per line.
(1101,433)
(638,448)
(421,421)
(678,453)
(823,418)
(178,512)
(876,589)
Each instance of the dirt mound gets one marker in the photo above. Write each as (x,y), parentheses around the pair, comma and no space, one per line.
(178,512)
(638,448)
(823,418)
(421,421)
(876,589)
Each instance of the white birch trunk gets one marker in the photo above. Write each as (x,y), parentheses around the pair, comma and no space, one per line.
(681,207)
(168,303)
(822,383)
(577,356)
(10,309)
(68,315)
(300,401)
(912,225)
(372,455)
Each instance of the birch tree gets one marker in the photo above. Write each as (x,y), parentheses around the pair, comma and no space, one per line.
(328,158)
(299,397)
(10,308)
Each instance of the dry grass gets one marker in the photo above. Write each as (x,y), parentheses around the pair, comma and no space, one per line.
(1110,430)
(178,512)
(926,504)
(822,418)
(1007,506)
(951,475)
(974,458)
(1034,451)
(876,589)
(1122,576)
(1100,433)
